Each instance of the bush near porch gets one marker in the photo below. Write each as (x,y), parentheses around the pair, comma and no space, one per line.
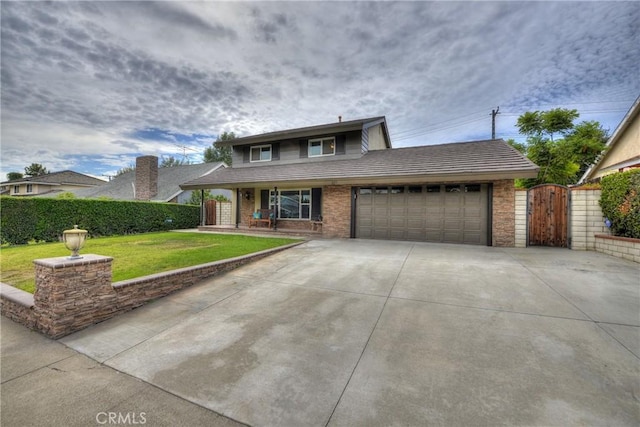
(620,202)
(26,219)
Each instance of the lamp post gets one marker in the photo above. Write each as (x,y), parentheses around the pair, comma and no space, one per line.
(74,240)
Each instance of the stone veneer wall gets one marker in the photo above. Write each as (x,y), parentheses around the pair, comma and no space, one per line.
(504,216)
(621,247)
(17,305)
(73,294)
(336,211)
(585,219)
(521,218)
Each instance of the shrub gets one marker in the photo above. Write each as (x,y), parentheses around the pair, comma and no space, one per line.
(620,202)
(39,219)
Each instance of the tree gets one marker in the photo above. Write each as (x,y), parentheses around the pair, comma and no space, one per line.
(171,161)
(218,153)
(561,149)
(196,199)
(126,169)
(35,169)
(13,176)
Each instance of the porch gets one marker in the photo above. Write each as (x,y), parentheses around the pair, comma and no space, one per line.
(281,231)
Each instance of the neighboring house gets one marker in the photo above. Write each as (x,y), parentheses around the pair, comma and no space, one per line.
(348,175)
(150,183)
(49,184)
(622,149)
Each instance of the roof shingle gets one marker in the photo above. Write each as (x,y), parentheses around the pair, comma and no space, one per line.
(432,162)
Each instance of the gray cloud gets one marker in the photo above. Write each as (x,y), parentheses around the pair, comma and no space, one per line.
(435,69)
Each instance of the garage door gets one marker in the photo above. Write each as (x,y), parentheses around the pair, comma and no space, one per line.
(451,213)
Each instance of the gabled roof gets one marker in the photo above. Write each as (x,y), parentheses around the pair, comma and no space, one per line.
(66,177)
(169,180)
(631,115)
(309,131)
(477,160)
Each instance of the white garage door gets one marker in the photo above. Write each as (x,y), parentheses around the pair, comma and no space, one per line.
(452,213)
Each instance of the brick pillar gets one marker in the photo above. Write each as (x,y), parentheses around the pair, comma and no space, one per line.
(336,211)
(72,294)
(504,213)
(146,177)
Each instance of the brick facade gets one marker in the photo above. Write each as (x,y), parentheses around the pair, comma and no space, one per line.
(336,211)
(504,215)
(247,206)
(146,177)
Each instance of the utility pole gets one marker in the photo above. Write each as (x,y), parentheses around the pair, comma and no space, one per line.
(494,113)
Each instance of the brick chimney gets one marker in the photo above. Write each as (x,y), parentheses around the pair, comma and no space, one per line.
(146,177)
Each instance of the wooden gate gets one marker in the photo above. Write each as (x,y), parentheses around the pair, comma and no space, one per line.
(210,212)
(548,215)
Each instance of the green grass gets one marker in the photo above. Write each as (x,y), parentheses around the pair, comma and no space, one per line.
(136,255)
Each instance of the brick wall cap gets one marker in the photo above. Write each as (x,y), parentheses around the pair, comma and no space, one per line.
(63,262)
(622,239)
(16,295)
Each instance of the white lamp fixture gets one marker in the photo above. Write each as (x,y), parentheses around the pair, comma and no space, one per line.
(74,240)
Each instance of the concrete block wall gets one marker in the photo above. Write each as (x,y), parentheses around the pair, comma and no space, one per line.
(521,218)
(585,219)
(224,213)
(621,247)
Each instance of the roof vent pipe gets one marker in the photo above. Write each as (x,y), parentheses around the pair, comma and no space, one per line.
(339,119)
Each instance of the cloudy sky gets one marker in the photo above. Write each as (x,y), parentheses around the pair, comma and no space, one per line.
(89,86)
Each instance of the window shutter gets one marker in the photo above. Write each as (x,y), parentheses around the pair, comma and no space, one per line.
(264,199)
(341,144)
(246,154)
(316,203)
(275,151)
(304,148)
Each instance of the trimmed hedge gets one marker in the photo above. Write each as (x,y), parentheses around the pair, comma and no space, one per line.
(620,202)
(25,219)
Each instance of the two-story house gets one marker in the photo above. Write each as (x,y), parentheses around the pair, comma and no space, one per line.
(348,174)
(50,184)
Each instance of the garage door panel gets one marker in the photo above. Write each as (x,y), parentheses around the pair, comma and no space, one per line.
(472,224)
(413,222)
(400,222)
(456,213)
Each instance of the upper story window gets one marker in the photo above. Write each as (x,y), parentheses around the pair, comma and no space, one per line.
(261,153)
(322,147)
(16,189)
(29,188)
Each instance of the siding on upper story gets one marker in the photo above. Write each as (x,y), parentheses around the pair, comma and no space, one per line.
(290,151)
(375,138)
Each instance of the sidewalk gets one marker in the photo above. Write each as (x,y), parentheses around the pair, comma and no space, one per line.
(45,383)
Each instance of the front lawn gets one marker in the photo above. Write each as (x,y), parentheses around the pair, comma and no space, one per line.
(136,255)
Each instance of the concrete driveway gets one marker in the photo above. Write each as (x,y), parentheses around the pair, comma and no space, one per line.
(366,333)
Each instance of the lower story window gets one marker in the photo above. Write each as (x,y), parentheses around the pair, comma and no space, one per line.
(292,204)
(29,188)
